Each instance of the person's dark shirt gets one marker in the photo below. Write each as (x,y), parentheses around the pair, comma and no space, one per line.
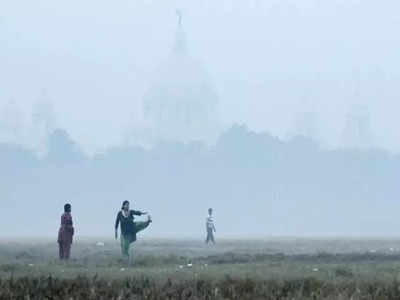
(127,224)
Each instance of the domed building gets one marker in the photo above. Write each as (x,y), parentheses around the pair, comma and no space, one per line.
(181,102)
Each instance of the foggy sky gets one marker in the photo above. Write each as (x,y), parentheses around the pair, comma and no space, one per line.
(272,62)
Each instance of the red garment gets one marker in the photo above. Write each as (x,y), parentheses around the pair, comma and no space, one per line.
(66,231)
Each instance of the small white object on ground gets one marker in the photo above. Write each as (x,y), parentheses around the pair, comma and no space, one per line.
(190,265)
(372,251)
(122,269)
(180,267)
(31,265)
(100,244)
(315,269)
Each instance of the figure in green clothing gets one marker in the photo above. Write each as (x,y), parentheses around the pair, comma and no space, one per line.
(129,228)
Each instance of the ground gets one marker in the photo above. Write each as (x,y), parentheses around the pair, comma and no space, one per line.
(243,269)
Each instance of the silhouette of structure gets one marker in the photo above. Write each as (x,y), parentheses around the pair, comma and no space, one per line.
(181,102)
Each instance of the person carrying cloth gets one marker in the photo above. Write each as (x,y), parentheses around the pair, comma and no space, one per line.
(129,228)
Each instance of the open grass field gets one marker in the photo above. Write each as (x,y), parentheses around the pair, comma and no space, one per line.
(188,269)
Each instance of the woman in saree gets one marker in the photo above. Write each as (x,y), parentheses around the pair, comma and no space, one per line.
(65,233)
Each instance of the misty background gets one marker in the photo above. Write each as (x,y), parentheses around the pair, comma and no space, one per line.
(281,115)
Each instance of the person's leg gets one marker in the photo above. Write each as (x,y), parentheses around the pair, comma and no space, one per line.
(125,245)
(139,226)
(212,237)
(208,236)
(67,250)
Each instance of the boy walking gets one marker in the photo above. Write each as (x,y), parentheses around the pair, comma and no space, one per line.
(210,227)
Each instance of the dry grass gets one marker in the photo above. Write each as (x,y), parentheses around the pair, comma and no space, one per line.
(161,269)
(228,288)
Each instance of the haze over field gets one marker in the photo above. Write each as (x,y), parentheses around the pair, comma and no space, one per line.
(141,100)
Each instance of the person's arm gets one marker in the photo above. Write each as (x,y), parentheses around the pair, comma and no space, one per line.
(63,220)
(59,239)
(116,225)
(69,224)
(138,212)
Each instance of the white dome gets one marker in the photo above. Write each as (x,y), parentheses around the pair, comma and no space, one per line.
(181,102)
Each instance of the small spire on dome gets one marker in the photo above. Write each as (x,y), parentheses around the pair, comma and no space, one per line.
(180,39)
(179,14)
